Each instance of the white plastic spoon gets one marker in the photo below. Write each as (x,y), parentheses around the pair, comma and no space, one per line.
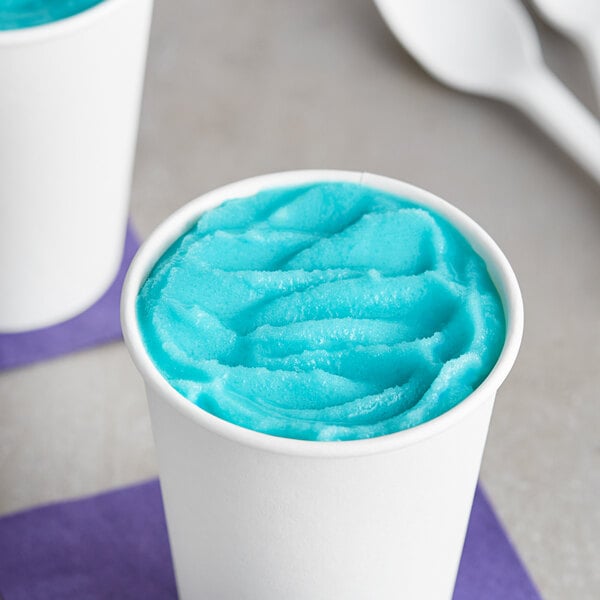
(490,48)
(580,21)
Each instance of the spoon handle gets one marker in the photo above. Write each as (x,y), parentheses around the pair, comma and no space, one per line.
(590,46)
(545,99)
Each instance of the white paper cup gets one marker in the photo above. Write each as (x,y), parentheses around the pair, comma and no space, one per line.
(69,107)
(257,517)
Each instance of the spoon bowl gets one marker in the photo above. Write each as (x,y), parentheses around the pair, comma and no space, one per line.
(570,17)
(470,45)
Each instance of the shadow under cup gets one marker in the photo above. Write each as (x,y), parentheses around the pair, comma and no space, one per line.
(258,517)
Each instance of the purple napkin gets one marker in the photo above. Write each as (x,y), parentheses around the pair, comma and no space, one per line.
(97,325)
(490,568)
(115,545)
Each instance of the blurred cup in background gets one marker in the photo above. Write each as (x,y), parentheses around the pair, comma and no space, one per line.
(70,94)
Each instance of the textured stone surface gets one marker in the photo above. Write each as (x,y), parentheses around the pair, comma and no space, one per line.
(237,89)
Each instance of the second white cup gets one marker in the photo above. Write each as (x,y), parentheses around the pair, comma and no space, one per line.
(69,109)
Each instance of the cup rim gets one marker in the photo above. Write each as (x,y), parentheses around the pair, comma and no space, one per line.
(181,220)
(60,27)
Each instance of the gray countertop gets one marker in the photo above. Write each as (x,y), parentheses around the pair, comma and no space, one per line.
(236,89)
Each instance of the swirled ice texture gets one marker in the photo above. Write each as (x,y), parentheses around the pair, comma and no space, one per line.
(18,14)
(323,312)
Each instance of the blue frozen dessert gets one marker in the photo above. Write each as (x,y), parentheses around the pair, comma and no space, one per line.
(18,14)
(329,311)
